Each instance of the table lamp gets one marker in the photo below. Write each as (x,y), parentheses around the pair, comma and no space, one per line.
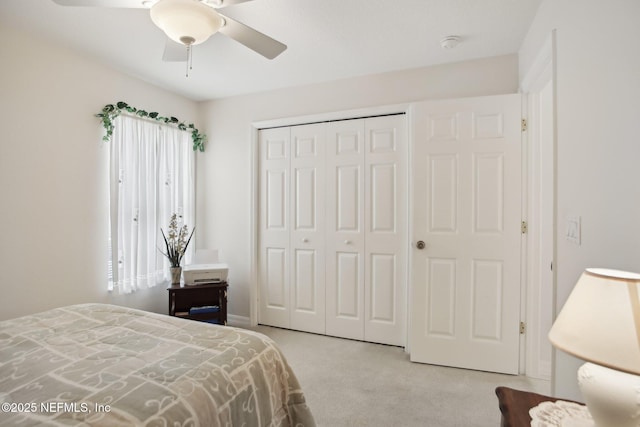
(600,323)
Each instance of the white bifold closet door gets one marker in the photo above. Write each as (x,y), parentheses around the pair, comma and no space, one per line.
(306,242)
(274,232)
(292,228)
(333,232)
(366,229)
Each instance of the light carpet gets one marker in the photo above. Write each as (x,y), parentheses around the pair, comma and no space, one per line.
(352,383)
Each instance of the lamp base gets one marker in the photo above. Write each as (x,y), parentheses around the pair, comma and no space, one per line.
(612,397)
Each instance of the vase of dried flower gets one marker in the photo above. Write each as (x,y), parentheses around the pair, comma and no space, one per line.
(176,272)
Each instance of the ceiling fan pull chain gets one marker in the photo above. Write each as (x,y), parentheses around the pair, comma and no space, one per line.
(189,61)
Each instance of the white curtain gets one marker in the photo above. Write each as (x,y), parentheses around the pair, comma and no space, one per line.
(151,177)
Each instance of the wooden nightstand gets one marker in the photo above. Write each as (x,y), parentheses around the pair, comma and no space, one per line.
(206,303)
(515,404)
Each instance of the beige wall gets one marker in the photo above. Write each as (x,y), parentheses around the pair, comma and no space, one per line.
(53,176)
(53,166)
(224,171)
(598,105)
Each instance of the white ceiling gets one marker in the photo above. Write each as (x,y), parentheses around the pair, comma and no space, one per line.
(327,39)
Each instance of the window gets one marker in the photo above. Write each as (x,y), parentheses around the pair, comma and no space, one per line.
(151,176)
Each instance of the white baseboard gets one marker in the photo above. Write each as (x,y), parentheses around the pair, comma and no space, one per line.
(238,321)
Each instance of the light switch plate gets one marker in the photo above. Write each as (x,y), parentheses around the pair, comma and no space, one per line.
(573,232)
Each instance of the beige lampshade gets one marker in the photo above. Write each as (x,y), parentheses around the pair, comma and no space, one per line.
(600,322)
(186,21)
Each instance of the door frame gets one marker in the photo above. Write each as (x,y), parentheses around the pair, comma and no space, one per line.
(541,73)
(254,287)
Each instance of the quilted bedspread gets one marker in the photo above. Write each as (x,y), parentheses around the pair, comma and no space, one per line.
(105,365)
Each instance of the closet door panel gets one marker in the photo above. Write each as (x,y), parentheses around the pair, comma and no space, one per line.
(345,229)
(347,293)
(383,287)
(307,298)
(348,183)
(386,233)
(275,294)
(276,199)
(274,228)
(383,197)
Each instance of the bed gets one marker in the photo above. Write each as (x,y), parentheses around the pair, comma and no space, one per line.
(105,365)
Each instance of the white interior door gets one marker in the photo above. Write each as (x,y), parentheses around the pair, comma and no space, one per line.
(274,305)
(366,229)
(345,239)
(307,228)
(466,181)
(386,232)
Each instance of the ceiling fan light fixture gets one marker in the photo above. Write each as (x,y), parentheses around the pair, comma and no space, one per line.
(189,22)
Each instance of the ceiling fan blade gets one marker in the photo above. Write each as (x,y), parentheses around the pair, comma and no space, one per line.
(174,52)
(253,39)
(132,4)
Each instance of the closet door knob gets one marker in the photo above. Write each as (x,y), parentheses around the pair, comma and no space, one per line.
(421,245)
(305,240)
(347,242)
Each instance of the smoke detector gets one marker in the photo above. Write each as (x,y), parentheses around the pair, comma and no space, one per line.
(450,42)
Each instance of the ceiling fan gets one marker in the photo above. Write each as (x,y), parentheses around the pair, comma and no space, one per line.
(191,22)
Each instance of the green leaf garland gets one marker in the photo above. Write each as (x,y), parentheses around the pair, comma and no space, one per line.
(110,112)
